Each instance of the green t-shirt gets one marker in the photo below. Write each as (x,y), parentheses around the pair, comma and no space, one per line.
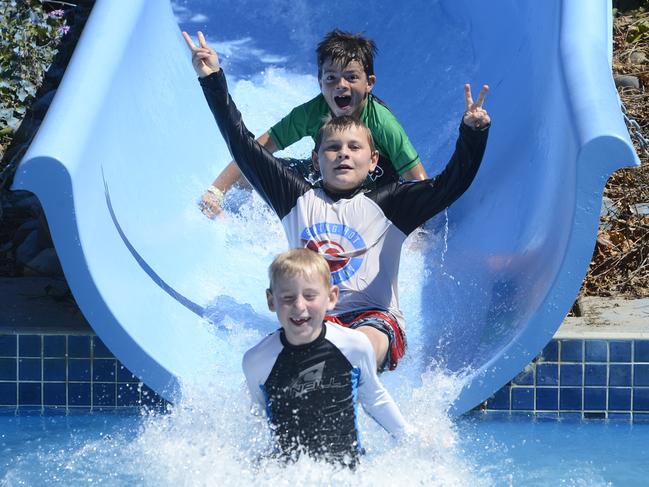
(389,137)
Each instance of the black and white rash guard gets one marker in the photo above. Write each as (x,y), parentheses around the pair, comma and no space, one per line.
(360,233)
(310,392)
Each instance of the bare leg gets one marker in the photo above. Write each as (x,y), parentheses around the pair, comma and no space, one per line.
(379,341)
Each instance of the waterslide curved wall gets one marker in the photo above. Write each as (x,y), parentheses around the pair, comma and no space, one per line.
(129,143)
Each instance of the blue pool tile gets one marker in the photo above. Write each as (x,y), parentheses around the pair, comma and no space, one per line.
(619,375)
(29,345)
(619,399)
(522,398)
(54,369)
(595,375)
(29,369)
(596,350)
(547,398)
(29,393)
(594,415)
(571,374)
(525,378)
(641,375)
(641,351)
(619,416)
(572,351)
(30,409)
(54,346)
(103,370)
(125,375)
(550,352)
(595,399)
(103,395)
(641,399)
(79,346)
(54,394)
(547,374)
(8,345)
(570,399)
(500,400)
(78,370)
(8,369)
(640,417)
(100,350)
(79,394)
(620,351)
(128,395)
(8,394)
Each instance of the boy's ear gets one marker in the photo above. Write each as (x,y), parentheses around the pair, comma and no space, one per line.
(374,160)
(371,81)
(269,300)
(314,160)
(334,291)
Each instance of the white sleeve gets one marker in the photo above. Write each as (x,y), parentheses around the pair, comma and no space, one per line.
(375,399)
(253,379)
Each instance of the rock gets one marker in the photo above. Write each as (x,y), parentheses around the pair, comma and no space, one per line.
(28,249)
(25,229)
(46,263)
(638,57)
(24,199)
(626,81)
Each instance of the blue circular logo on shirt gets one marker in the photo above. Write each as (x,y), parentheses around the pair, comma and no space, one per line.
(344,253)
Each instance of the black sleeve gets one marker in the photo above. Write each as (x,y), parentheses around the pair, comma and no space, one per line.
(410,204)
(278,186)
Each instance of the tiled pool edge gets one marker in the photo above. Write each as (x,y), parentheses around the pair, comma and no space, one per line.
(583,378)
(67,373)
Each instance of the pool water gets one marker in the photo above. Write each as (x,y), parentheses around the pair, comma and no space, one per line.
(114,449)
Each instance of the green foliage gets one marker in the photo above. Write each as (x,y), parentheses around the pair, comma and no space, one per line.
(639,31)
(29,35)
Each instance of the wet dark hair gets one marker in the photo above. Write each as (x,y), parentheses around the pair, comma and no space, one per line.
(343,47)
(337,124)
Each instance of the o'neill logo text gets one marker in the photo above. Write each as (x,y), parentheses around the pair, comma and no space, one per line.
(342,246)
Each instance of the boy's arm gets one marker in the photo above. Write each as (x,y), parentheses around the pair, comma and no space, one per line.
(276,184)
(411,204)
(374,398)
(253,382)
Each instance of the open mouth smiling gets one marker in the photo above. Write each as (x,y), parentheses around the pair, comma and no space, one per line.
(299,322)
(343,101)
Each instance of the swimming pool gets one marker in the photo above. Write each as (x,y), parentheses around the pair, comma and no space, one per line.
(111,449)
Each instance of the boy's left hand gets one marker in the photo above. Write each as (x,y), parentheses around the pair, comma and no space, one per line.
(475,116)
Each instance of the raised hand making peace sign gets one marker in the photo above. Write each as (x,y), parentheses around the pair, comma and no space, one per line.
(204,58)
(475,116)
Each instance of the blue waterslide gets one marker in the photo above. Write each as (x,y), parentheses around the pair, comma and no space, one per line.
(128,146)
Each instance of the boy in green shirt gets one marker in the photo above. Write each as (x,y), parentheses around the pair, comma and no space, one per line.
(346,77)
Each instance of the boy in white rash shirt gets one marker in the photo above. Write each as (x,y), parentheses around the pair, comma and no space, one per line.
(310,375)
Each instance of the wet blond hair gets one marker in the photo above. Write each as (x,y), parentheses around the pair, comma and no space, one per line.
(298,262)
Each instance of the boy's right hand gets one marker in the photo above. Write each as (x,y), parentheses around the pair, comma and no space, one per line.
(204,58)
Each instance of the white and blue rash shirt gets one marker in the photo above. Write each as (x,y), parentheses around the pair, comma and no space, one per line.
(310,392)
(360,232)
